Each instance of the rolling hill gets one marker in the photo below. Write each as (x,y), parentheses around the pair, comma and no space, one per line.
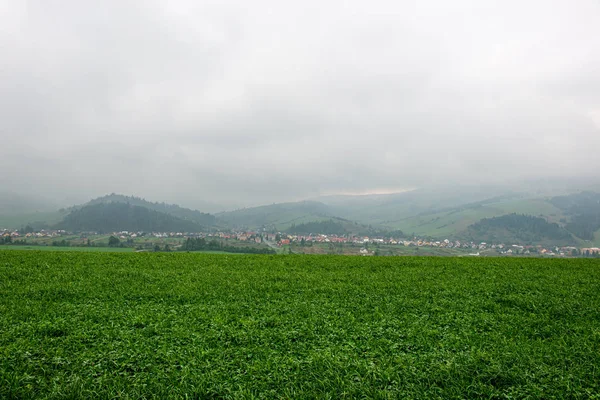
(279,216)
(114,217)
(440,212)
(19,212)
(200,218)
(437,213)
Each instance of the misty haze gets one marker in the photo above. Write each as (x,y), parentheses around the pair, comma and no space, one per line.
(237,104)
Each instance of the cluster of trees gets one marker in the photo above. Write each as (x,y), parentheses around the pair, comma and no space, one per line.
(201,244)
(518,228)
(114,242)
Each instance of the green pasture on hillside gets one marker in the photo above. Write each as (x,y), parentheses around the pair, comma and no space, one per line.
(188,325)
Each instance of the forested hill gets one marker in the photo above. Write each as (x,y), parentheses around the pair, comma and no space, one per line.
(198,217)
(515,228)
(114,217)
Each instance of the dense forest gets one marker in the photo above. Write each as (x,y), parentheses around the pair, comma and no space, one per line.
(583,210)
(113,217)
(516,228)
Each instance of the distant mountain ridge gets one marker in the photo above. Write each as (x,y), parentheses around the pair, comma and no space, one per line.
(437,213)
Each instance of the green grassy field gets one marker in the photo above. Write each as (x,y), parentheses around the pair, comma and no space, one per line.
(167,325)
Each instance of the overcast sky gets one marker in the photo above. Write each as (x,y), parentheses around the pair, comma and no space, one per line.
(248,102)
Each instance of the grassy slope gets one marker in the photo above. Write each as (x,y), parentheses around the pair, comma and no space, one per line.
(171,325)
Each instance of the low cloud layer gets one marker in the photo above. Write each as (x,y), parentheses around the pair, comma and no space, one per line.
(240,102)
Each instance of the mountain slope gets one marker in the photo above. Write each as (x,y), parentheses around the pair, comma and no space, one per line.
(113,217)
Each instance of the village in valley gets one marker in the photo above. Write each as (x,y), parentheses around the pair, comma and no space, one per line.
(280,242)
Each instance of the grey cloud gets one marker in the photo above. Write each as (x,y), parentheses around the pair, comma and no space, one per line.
(244,103)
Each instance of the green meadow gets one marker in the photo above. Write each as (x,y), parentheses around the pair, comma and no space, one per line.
(191,325)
